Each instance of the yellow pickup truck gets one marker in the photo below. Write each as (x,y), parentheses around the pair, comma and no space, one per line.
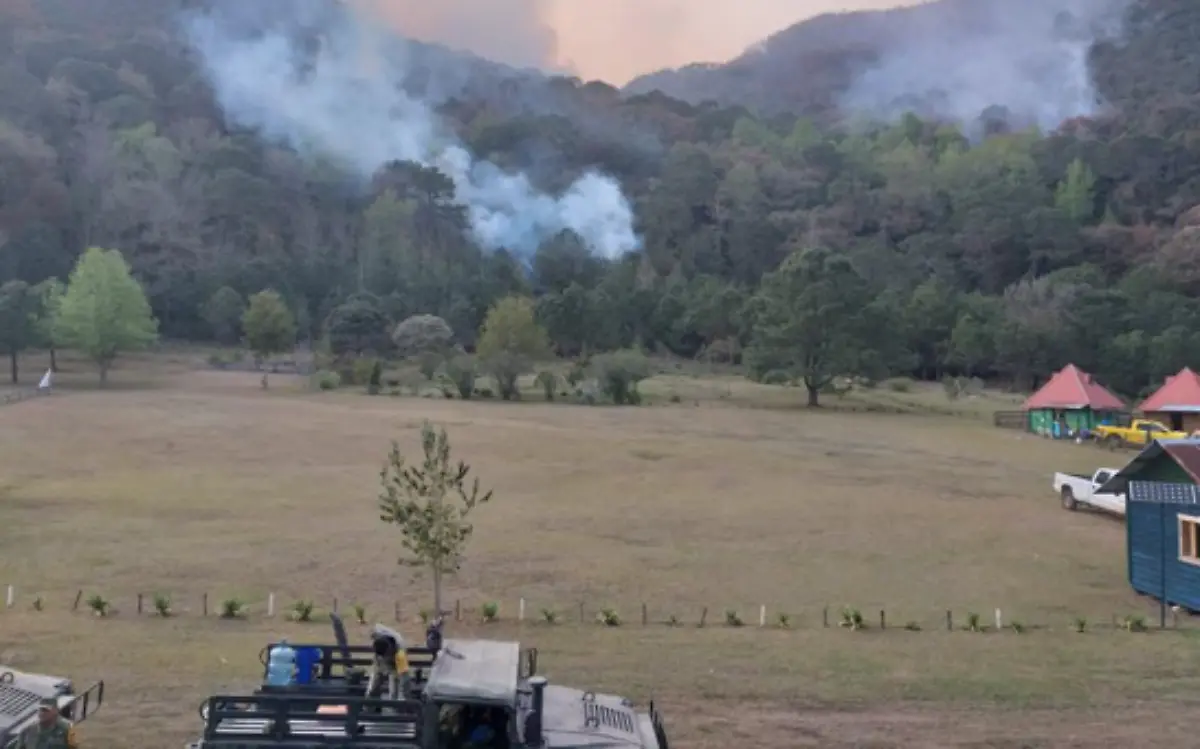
(1139,433)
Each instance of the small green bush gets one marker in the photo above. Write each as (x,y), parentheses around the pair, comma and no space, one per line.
(550,616)
(490,611)
(99,605)
(375,383)
(618,374)
(548,382)
(609,618)
(852,619)
(362,369)
(162,605)
(1135,623)
(733,618)
(327,380)
(463,371)
(302,611)
(360,613)
(775,377)
(899,385)
(233,608)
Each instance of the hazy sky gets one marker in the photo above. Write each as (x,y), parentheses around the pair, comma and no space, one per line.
(614,40)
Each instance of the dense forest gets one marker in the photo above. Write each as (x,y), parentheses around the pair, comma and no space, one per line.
(797,245)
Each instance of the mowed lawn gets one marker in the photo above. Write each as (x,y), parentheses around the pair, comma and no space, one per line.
(203,483)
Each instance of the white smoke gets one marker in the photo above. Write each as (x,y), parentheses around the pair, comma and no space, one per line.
(958,58)
(344,100)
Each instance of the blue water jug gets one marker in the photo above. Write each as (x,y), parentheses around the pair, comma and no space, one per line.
(281,665)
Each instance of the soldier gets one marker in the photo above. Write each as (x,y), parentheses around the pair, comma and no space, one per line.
(52,730)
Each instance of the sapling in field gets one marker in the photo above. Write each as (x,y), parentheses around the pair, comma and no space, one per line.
(430,503)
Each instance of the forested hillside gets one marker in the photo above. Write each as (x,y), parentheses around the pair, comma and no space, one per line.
(927,254)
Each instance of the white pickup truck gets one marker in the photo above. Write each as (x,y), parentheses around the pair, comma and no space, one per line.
(1075,490)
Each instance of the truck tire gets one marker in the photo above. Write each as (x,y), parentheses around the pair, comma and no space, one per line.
(1112,442)
(1068,499)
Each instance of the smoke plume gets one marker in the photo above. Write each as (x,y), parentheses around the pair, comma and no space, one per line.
(321,79)
(1024,60)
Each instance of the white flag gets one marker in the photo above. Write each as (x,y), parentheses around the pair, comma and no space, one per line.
(45,383)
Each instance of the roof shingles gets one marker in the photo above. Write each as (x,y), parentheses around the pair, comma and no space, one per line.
(1181,390)
(1073,388)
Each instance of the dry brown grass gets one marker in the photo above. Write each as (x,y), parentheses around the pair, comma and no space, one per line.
(188,482)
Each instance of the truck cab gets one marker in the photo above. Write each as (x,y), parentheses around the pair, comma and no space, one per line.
(1075,490)
(1139,433)
(21,693)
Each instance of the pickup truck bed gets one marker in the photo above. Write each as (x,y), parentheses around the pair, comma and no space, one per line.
(1075,490)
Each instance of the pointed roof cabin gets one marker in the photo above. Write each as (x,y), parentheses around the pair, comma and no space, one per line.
(1074,397)
(1177,403)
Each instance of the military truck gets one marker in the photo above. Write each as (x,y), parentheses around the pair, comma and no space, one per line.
(464,685)
(21,693)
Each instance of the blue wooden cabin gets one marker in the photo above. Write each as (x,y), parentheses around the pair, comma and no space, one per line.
(1162,521)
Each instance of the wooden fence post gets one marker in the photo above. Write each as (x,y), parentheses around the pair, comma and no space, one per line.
(825,617)
(78,598)
(204,605)
(521,610)
(762,615)
(882,619)
(645,615)
(335,604)
(396,610)
(949,621)
(999,620)
(703,616)
(139,605)
(457,610)
(270,605)
(581,612)
(10,597)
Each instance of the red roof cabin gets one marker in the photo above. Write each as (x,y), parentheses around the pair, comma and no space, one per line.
(1177,403)
(1072,402)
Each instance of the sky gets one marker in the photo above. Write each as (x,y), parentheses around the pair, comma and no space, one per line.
(612,40)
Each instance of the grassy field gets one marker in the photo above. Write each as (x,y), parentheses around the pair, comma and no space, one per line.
(721,494)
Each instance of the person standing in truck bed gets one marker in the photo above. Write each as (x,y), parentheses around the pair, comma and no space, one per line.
(52,730)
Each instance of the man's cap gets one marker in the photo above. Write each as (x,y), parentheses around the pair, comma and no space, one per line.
(47,703)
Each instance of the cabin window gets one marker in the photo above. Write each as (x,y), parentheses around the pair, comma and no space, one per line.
(1189,539)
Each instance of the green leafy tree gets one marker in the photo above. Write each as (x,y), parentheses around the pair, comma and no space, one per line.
(430,503)
(50,293)
(223,312)
(422,334)
(269,325)
(510,341)
(813,319)
(104,311)
(619,373)
(1075,195)
(358,326)
(19,305)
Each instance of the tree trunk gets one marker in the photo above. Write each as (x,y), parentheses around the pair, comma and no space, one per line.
(814,393)
(12,360)
(104,372)
(53,360)
(437,591)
